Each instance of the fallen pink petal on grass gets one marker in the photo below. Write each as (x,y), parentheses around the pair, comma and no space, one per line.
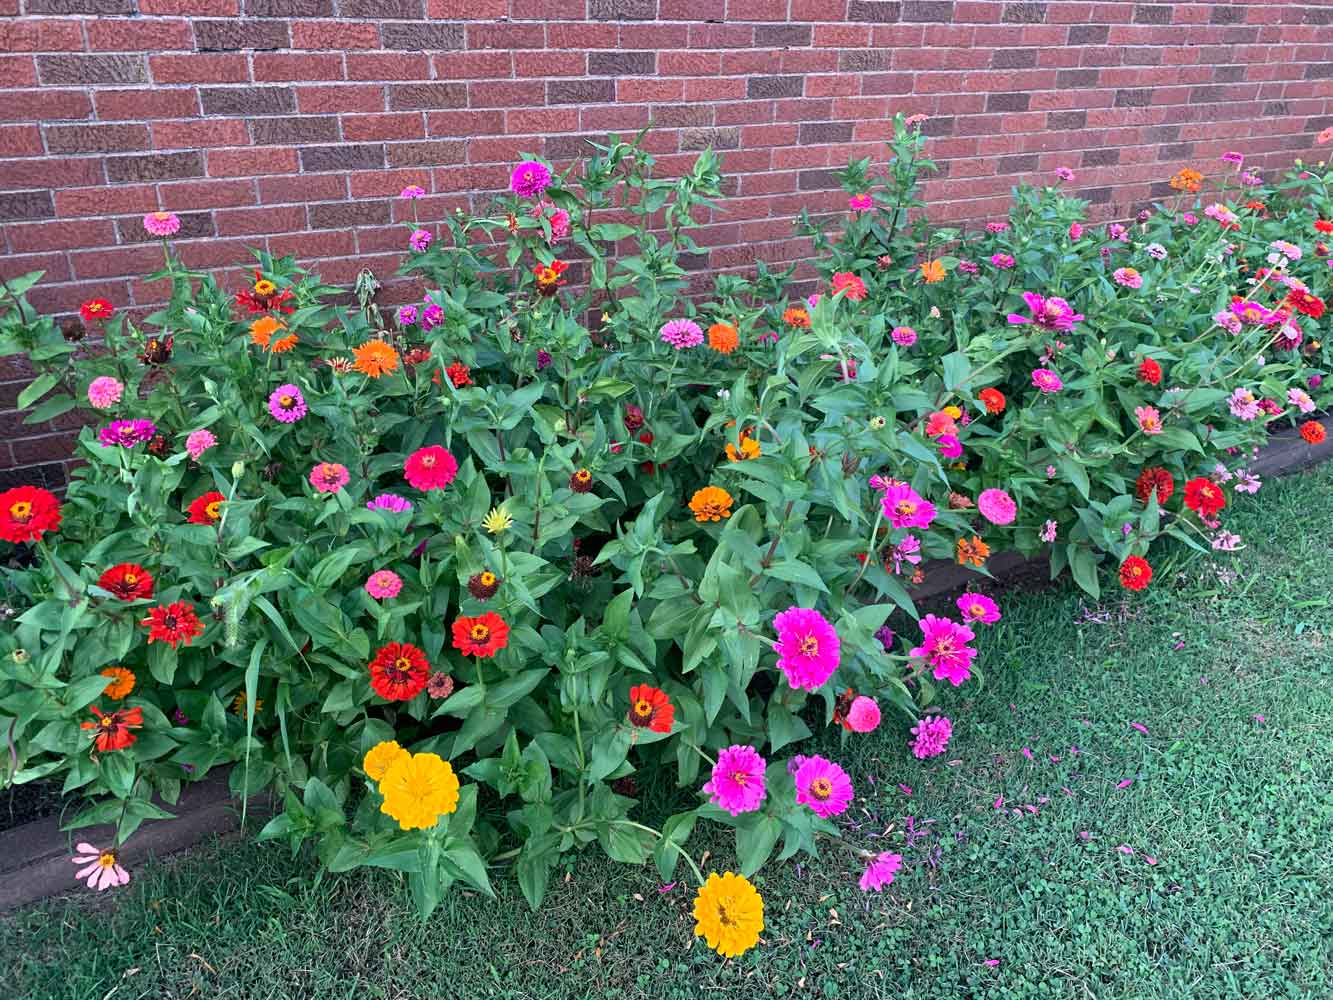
(999,803)
(1140,727)
(1150,859)
(1125,849)
(1027,752)
(1260,719)
(1126,783)
(1055,758)
(992,962)
(905,789)
(662,890)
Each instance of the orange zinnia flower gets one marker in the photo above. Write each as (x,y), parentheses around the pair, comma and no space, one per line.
(650,707)
(113,728)
(796,316)
(932,271)
(712,503)
(723,338)
(1313,433)
(1186,179)
(749,448)
(993,400)
(375,358)
(263,329)
(975,551)
(121,684)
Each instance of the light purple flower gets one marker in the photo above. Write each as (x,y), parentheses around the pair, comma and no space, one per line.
(949,445)
(907,552)
(1233,157)
(1075,230)
(681,333)
(1251,179)
(905,508)
(1002,260)
(1228,320)
(1243,403)
(1226,541)
(1247,482)
(1048,531)
(162,224)
(390,502)
(944,645)
(407,315)
(1116,231)
(1046,380)
(1189,218)
(1289,250)
(286,404)
(104,392)
(737,784)
(1156,251)
(997,227)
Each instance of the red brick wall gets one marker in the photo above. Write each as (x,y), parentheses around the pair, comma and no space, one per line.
(292,124)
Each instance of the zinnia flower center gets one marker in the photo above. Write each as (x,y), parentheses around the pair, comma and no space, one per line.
(212,510)
(821,788)
(977,611)
(904,508)
(488,578)
(21,511)
(944,646)
(740,777)
(722,916)
(427,461)
(642,709)
(106,859)
(403,665)
(169,621)
(286,401)
(264,287)
(809,646)
(131,578)
(479,633)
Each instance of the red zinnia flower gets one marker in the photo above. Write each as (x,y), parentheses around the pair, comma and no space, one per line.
(459,374)
(127,581)
(548,276)
(399,671)
(113,728)
(264,295)
(482,636)
(1303,301)
(993,400)
(96,309)
(850,285)
(26,512)
(1154,478)
(1135,573)
(173,623)
(1150,371)
(1323,226)
(1204,496)
(650,707)
(1313,432)
(207,509)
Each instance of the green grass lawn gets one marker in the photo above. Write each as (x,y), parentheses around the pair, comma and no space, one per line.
(1230,794)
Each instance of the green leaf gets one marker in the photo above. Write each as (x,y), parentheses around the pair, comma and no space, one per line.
(36,389)
(754,843)
(794,571)
(783,727)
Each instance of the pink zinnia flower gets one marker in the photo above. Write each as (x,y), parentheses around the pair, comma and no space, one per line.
(968,267)
(329,477)
(431,316)
(978,608)
(383,583)
(1052,313)
(391,502)
(1243,404)
(944,647)
(1221,213)
(860,203)
(1300,399)
(286,404)
(1064,173)
(908,552)
(1128,277)
(412,191)
(823,786)
(1150,420)
(808,647)
(103,868)
(997,227)
(932,736)
(530,179)
(559,222)
(406,315)
(1002,260)
(939,422)
(430,468)
(1048,531)
(1253,313)
(1236,158)
(162,224)
(905,508)
(1247,482)
(681,333)
(104,392)
(737,784)
(997,506)
(880,872)
(199,442)
(420,240)
(1075,230)
(1190,219)
(903,336)
(864,715)
(949,445)
(126,433)
(1046,380)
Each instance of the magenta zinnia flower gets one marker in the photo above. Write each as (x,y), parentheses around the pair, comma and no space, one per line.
(420,240)
(412,191)
(1046,380)
(737,784)
(949,445)
(384,583)
(126,433)
(104,392)
(944,645)
(997,506)
(808,647)
(978,608)
(199,442)
(823,786)
(932,736)
(390,502)
(681,333)
(1253,313)
(903,336)
(1052,313)
(1002,260)
(530,179)
(880,872)
(905,508)
(860,203)
(162,224)
(864,715)
(329,477)
(431,316)
(286,404)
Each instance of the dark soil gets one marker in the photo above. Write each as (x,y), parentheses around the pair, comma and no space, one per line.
(24,803)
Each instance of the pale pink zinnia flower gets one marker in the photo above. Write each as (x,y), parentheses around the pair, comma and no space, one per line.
(162,224)
(383,583)
(1048,531)
(864,715)
(823,786)
(978,608)
(997,506)
(1300,399)
(681,333)
(104,392)
(808,648)
(1150,420)
(1243,404)
(944,647)
(329,477)
(880,872)
(199,442)
(932,736)
(103,869)
(737,784)
(1128,277)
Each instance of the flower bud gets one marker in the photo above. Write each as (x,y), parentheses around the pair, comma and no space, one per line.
(237,470)
(19,656)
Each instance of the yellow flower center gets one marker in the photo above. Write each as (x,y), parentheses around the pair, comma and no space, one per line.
(583,475)
(131,578)
(21,510)
(213,510)
(976,611)
(740,777)
(642,708)
(285,401)
(105,721)
(479,633)
(809,646)
(265,287)
(821,788)
(487,578)
(106,859)
(403,664)
(904,508)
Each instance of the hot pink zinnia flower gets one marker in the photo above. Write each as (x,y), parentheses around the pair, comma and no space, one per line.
(390,502)
(808,647)
(737,784)
(1064,173)
(430,468)
(681,333)
(1232,157)
(997,506)
(420,240)
(932,736)
(1046,380)
(104,392)
(383,583)
(944,647)
(860,203)
(412,191)
(286,404)
(905,508)
(903,336)
(978,608)
(103,869)
(162,224)
(199,442)
(997,227)
(530,179)
(880,872)
(1002,260)
(864,715)
(823,786)
(949,445)
(1075,230)
(1052,313)
(329,477)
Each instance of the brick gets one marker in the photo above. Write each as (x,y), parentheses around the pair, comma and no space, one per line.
(426,154)
(211,193)
(1140,97)
(231,35)
(1319,71)
(158,167)
(260,221)
(940,11)
(247,100)
(347,156)
(1101,157)
(774,36)
(403,10)
(1089,34)
(817,180)
(1007,102)
(285,67)
(289,8)
(388,66)
(1152,13)
(1024,13)
(813,133)
(96,138)
(317,100)
(424,96)
(622,10)
(1067,120)
(1222,13)
(20,140)
(85,70)
(1076,79)
(210,8)
(1014,59)
(80,7)
(580,92)
(341,215)
(18,71)
(338,35)
(767,87)
(251,162)
(139,36)
(875,11)
(203,133)
(506,36)
(129,105)
(299,129)
(17,206)
(622,63)
(413,36)
(200,68)
(710,138)
(1016,164)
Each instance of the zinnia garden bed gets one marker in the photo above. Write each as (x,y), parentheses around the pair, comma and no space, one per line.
(447,581)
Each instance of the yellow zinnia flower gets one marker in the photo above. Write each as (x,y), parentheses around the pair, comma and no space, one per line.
(418,789)
(381,757)
(497,520)
(728,914)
